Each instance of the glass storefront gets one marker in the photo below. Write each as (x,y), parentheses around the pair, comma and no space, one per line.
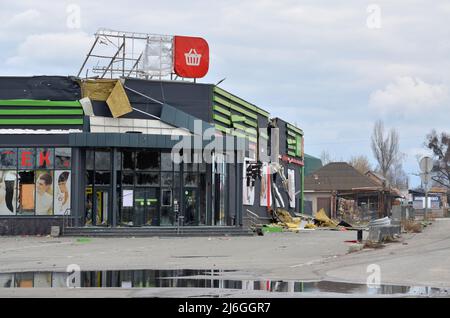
(35,181)
(122,187)
(150,189)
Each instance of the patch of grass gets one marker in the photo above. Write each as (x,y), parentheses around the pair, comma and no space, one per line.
(84,240)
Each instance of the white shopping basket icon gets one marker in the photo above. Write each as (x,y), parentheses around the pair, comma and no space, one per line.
(192,58)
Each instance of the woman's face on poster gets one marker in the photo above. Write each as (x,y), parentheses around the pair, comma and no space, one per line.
(62,186)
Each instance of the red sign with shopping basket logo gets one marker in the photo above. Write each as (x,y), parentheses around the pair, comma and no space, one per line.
(191,56)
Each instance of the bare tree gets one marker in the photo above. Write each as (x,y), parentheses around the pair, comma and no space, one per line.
(385,149)
(440,145)
(360,163)
(325,157)
(397,176)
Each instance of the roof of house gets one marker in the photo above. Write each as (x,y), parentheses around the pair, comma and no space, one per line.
(338,176)
(376,175)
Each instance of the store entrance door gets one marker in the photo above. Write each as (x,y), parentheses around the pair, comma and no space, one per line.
(97,207)
(101,206)
(146,207)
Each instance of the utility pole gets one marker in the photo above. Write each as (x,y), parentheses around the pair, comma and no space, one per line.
(426,165)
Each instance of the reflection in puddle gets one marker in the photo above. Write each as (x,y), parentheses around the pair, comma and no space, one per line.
(188,278)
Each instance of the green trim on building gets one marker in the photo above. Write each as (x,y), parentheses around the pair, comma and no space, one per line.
(297,130)
(222,110)
(33,112)
(250,131)
(253,139)
(237,118)
(251,123)
(39,103)
(41,121)
(298,146)
(21,111)
(222,129)
(232,106)
(221,119)
(291,133)
(240,101)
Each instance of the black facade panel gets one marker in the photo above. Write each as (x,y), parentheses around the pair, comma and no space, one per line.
(281,124)
(192,98)
(37,140)
(57,88)
(28,225)
(101,109)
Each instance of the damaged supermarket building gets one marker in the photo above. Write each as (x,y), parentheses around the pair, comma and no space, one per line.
(134,148)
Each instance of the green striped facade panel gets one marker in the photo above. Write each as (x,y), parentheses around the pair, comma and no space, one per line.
(28,112)
(235,116)
(41,121)
(295,129)
(294,137)
(39,103)
(227,104)
(240,101)
(222,119)
(222,110)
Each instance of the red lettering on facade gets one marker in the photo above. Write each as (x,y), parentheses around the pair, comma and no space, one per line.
(26,159)
(44,156)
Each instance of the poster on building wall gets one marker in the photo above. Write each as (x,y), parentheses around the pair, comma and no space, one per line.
(62,192)
(8,193)
(44,192)
(248,191)
(291,187)
(127,198)
(265,198)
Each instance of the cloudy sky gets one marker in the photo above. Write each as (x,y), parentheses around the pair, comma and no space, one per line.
(331,67)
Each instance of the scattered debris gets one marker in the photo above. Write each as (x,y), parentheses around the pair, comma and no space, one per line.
(343,223)
(373,244)
(321,219)
(411,226)
(355,248)
(310,226)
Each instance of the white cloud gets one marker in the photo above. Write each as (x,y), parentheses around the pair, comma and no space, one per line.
(30,16)
(409,95)
(51,49)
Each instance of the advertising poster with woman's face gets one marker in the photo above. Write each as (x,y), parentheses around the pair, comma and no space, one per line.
(8,192)
(44,192)
(62,192)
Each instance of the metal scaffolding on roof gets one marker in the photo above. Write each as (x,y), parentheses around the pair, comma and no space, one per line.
(117,54)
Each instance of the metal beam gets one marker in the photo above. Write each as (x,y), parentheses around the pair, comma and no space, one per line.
(112,60)
(88,55)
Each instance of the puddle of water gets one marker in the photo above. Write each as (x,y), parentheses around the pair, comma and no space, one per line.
(192,278)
